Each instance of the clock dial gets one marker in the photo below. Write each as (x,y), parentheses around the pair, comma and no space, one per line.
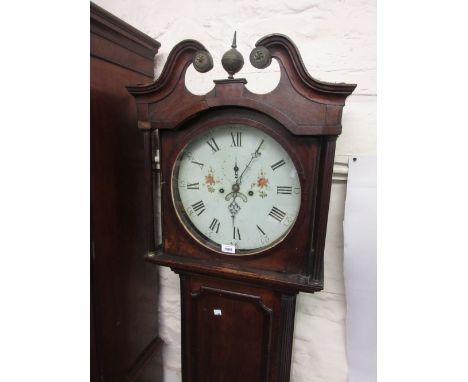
(236,185)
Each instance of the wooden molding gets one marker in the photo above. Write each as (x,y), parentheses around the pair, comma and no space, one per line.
(322,207)
(311,107)
(117,42)
(282,48)
(288,310)
(276,280)
(174,69)
(114,29)
(257,300)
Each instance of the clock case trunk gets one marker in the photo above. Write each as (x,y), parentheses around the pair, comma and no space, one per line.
(256,294)
(250,339)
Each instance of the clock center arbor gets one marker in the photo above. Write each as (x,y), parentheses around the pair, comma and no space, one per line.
(237,196)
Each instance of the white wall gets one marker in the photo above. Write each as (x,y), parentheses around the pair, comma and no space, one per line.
(337,41)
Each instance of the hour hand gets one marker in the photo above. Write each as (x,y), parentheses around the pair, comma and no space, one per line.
(236,170)
(242,196)
(233,208)
(230,196)
(234,194)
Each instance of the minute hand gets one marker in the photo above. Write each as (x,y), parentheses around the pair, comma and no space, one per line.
(254,155)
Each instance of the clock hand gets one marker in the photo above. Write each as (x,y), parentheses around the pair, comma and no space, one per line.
(230,196)
(235,190)
(233,207)
(235,195)
(236,170)
(254,155)
(242,196)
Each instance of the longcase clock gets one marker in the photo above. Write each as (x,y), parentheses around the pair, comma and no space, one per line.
(238,185)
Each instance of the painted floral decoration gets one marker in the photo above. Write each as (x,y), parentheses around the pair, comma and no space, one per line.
(210,180)
(261,184)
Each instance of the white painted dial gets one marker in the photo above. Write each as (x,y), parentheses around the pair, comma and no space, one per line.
(236,185)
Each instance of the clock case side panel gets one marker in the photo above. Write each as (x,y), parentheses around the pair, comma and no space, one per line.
(322,203)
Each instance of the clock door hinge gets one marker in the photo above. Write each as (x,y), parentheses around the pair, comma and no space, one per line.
(156,160)
(155,154)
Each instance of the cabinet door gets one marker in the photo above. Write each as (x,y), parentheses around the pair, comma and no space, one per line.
(233,332)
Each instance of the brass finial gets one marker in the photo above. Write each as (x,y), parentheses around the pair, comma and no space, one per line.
(232,60)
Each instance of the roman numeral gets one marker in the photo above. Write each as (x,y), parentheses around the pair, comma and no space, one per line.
(215,224)
(277,214)
(193,186)
(199,164)
(213,145)
(278,164)
(261,230)
(199,206)
(287,190)
(236,139)
(236,231)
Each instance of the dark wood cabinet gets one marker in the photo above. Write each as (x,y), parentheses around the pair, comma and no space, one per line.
(124,330)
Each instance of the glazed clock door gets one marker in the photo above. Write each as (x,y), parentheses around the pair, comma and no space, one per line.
(236,189)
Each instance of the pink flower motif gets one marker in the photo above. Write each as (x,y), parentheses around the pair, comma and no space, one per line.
(262,182)
(209,179)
